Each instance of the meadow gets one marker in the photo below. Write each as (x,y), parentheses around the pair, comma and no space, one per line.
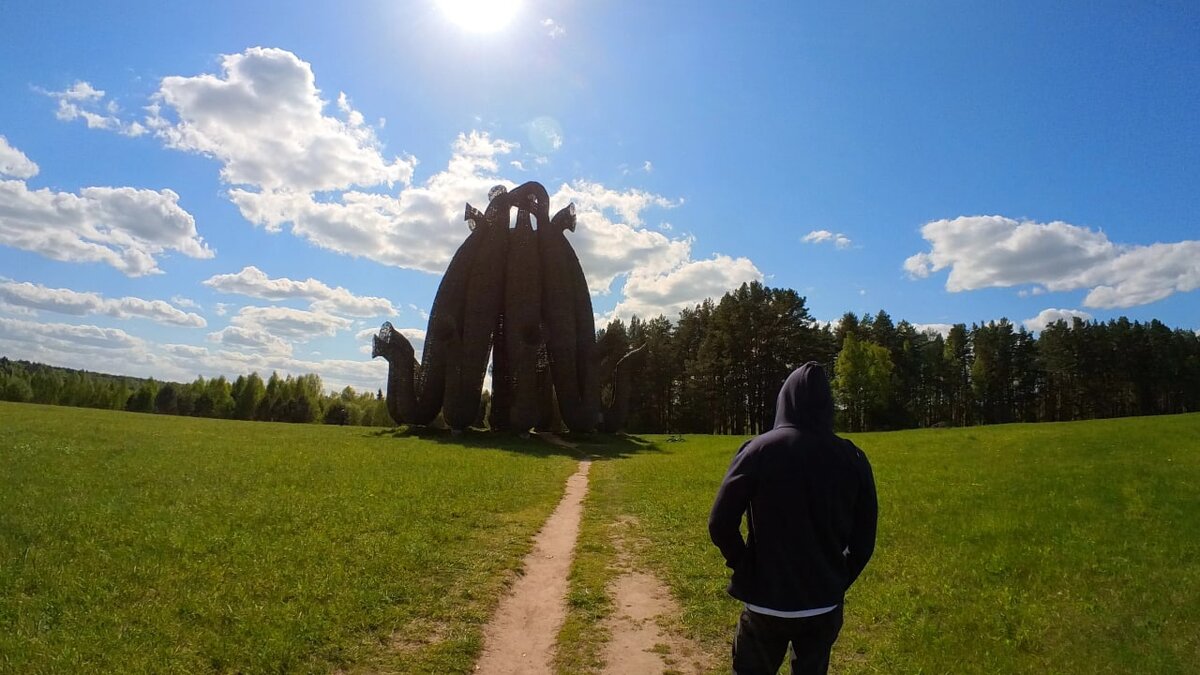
(1047,548)
(143,543)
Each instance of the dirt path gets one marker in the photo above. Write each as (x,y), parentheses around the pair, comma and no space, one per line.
(520,637)
(643,636)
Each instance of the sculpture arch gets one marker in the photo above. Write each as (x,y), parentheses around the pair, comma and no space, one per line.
(519,295)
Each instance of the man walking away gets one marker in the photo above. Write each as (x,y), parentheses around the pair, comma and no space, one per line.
(809,497)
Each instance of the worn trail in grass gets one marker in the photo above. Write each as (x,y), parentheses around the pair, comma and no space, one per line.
(520,637)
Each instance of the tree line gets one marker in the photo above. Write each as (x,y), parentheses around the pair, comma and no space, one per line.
(718,367)
(277,399)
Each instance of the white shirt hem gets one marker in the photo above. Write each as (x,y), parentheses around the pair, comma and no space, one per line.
(798,614)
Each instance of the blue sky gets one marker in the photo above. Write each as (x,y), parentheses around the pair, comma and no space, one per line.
(212,189)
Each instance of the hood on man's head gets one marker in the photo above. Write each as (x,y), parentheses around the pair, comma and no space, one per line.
(805,401)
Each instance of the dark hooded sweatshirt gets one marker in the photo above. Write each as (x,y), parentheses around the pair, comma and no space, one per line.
(810,501)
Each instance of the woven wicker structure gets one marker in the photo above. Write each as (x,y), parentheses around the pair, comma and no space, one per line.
(520,296)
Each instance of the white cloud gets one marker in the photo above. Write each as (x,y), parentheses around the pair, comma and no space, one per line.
(553,28)
(285,322)
(650,294)
(610,239)
(254,283)
(115,351)
(545,135)
(14,163)
(254,338)
(1049,316)
(184,350)
(83,101)
(420,312)
(993,251)
(62,337)
(124,227)
(185,302)
(293,160)
(415,335)
(419,229)
(67,301)
(423,226)
(264,119)
(942,329)
(821,236)
(647,166)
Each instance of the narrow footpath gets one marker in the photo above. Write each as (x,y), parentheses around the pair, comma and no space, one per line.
(520,638)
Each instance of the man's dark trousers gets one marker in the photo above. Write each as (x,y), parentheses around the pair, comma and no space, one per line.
(762,641)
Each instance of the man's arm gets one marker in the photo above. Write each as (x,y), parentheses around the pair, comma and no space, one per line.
(733,498)
(866,516)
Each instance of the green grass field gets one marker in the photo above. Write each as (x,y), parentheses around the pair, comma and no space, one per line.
(141,543)
(1054,548)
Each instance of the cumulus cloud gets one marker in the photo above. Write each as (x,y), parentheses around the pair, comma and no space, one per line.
(994,251)
(825,236)
(185,302)
(285,322)
(124,227)
(942,329)
(419,229)
(422,227)
(291,162)
(1048,316)
(67,301)
(650,294)
(271,330)
(62,337)
(264,119)
(252,337)
(255,283)
(610,238)
(83,101)
(14,163)
(553,28)
(85,346)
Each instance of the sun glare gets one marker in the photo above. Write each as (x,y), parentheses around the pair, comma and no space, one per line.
(480,16)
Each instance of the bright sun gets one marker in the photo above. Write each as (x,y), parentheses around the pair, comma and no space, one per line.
(480,16)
